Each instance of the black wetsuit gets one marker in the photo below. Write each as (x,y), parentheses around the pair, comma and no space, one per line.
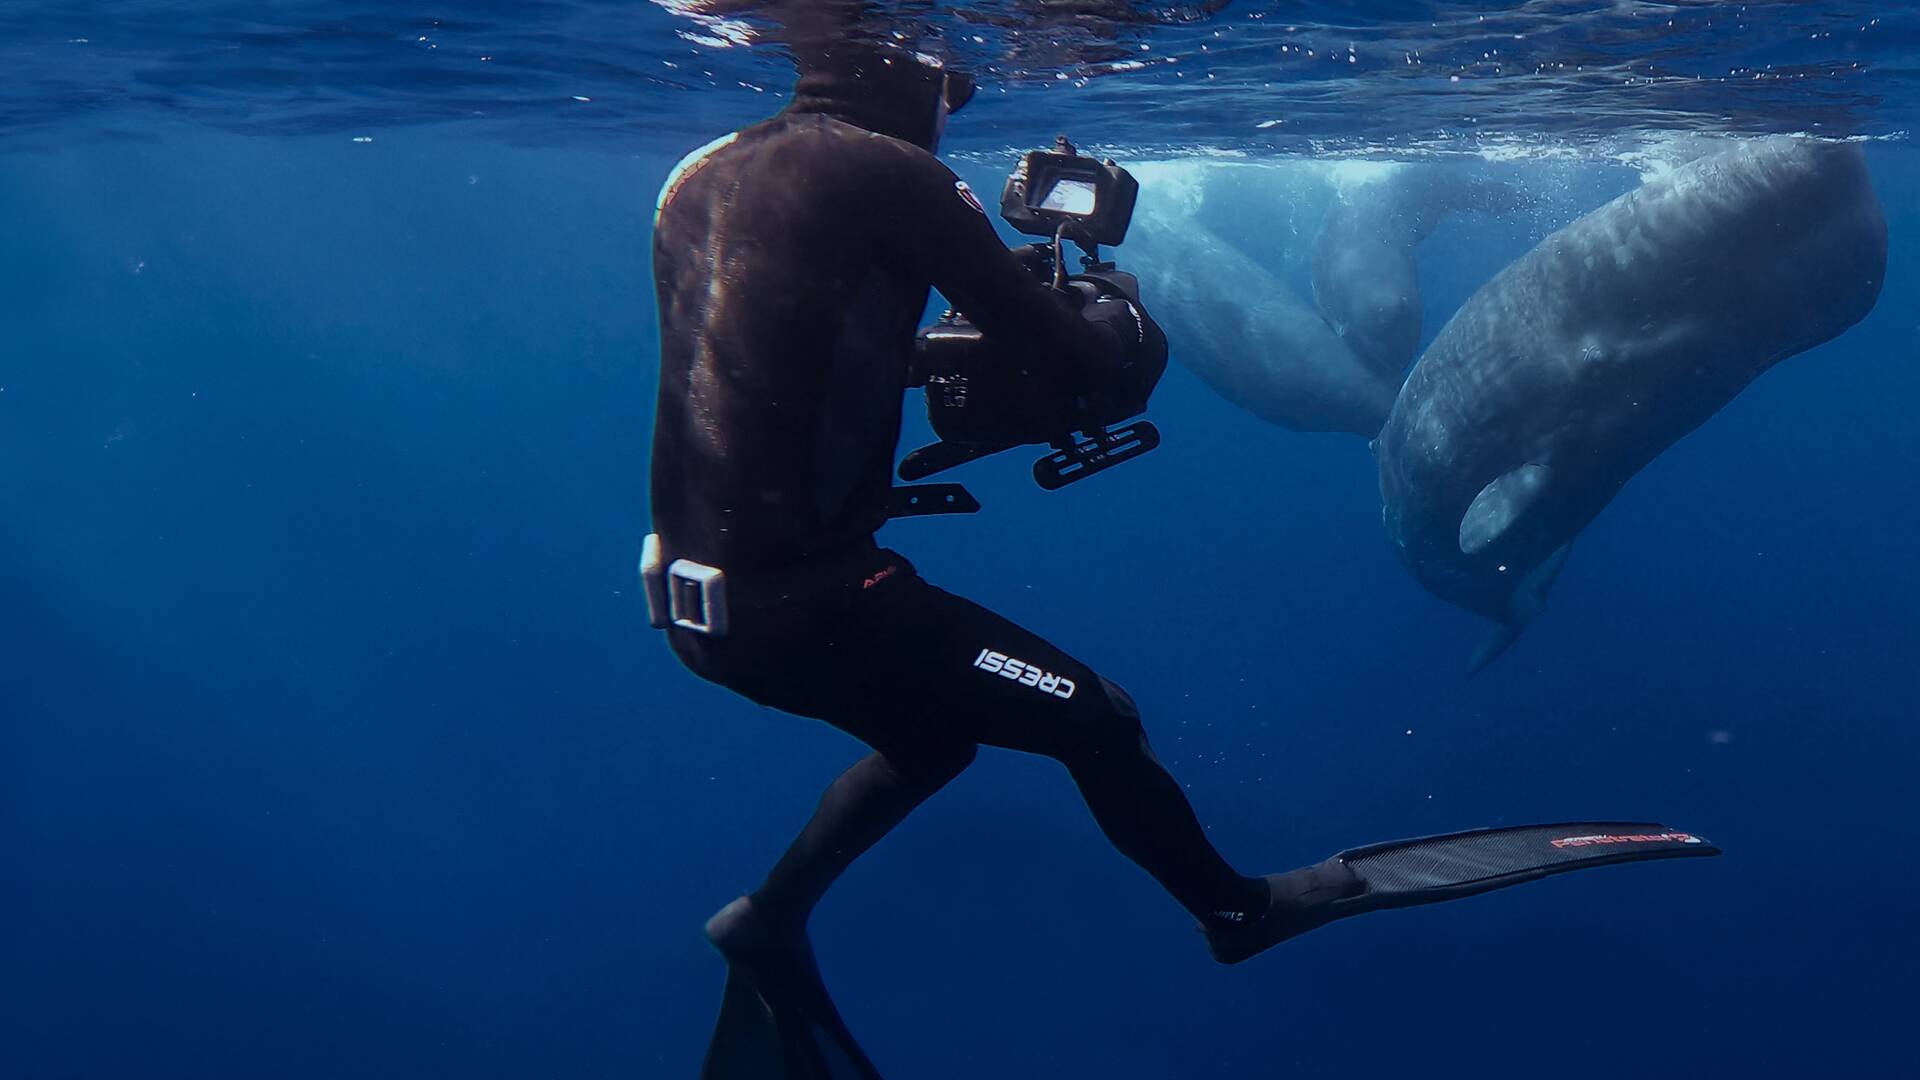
(792,264)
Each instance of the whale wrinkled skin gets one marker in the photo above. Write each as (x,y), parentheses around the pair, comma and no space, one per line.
(1587,357)
(1332,364)
(1364,278)
(1247,335)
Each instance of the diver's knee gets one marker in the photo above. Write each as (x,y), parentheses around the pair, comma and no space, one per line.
(1119,699)
(1113,733)
(956,759)
(934,766)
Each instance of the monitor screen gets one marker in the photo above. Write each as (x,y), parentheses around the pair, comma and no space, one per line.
(1076,197)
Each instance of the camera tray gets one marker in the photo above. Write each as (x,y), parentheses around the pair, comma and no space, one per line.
(1072,460)
(1082,458)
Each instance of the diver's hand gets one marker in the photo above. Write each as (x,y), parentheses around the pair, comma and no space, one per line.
(1036,259)
(1129,324)
(1139,357)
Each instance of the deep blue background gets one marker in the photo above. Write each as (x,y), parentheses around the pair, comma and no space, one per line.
(332,743)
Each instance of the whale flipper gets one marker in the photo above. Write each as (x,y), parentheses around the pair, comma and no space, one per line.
(1500,504)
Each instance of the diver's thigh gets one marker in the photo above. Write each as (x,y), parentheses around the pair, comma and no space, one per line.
(838,662)
(969,672)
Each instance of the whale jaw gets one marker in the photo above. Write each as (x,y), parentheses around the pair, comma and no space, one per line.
(1529,599)
(1497,641)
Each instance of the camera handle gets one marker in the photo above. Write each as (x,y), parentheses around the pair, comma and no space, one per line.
(1090,262)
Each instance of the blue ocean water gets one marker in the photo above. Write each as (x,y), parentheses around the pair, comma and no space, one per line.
(333,743)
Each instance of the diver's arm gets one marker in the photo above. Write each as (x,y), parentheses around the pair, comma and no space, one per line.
(950,241)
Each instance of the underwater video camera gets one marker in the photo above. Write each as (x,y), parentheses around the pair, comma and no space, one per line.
(983,397)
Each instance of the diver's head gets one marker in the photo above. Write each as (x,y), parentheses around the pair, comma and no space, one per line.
(884,88)
(956,89)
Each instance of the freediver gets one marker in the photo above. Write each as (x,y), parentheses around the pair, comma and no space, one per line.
(792,265)
(792,261)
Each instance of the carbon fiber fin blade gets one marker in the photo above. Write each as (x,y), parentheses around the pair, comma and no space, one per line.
(1432,869)
(1429,869)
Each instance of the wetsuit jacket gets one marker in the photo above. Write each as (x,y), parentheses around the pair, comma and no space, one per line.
(792,263)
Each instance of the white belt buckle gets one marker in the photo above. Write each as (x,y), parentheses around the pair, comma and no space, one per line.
(683,593)
(697,597)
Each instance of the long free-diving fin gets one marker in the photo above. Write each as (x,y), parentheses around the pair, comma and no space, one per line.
(1430,869)
(776,1020)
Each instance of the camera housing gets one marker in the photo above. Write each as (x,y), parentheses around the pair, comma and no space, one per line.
(983,397)
(1063,192)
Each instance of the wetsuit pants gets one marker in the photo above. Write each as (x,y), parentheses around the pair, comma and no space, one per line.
(924,678)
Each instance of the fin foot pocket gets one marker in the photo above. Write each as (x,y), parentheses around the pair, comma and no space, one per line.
(1298,901)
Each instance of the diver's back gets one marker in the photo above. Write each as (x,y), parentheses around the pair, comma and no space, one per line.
(784,338)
